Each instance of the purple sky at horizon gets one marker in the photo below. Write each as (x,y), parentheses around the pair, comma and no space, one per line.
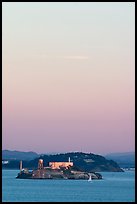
(68,77)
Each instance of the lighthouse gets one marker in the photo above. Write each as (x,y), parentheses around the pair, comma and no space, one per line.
(40,164)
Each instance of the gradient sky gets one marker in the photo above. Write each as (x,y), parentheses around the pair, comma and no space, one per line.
(68,77)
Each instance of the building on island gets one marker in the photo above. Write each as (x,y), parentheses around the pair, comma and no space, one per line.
(57,165)
(55,170)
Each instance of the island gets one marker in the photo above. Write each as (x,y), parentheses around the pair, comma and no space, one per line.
(57,170)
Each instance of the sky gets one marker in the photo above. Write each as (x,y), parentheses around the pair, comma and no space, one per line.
(68,76)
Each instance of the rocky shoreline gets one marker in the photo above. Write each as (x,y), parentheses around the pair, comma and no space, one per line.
(69,172)
(58,175)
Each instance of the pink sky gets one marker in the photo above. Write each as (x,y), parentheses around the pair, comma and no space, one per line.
(68,77)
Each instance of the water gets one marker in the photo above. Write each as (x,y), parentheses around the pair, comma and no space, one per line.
(115,186)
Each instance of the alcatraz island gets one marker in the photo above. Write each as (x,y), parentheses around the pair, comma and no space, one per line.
(56,170)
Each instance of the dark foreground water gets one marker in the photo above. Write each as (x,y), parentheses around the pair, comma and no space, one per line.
(119,186)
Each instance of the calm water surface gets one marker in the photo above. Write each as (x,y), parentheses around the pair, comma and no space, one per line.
(115,186)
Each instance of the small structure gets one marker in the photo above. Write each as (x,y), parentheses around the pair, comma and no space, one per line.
(5,162)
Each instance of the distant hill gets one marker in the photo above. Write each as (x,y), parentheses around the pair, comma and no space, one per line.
(17,155)
(84,161)
(125,159)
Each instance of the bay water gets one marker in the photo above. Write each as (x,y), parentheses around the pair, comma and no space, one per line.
(114,187)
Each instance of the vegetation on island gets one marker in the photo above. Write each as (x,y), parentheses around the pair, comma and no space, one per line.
(87,162)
